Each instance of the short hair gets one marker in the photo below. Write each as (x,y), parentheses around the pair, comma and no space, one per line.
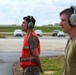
(68,12)
(30,19)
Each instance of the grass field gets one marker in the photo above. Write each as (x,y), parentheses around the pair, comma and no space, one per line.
(43,28)
(9,28)
(51,66)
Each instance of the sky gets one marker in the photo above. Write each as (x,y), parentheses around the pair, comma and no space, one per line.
(44,11)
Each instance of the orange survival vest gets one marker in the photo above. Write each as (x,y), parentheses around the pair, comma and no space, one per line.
(26,54)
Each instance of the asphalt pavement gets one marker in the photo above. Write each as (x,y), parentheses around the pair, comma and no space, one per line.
(10,51)
(7,59)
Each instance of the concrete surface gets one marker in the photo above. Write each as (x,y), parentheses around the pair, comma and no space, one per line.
(8,45)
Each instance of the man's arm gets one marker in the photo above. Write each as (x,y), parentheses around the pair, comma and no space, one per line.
(33,44)
(37,58)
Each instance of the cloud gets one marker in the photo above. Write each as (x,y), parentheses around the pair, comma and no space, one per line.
(45,12)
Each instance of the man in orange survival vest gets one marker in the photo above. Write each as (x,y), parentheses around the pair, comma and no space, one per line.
(30,58)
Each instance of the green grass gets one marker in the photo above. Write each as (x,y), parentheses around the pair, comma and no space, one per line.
(2,36)
(54,64)
(43,28)
(48,28)
(9,28)
(51,66)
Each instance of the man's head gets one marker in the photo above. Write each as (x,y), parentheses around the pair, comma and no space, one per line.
(28,23)
(71,15)
(66,23)
(30,20)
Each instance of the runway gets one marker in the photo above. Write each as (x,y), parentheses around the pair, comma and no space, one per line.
(47,43)
(10,51)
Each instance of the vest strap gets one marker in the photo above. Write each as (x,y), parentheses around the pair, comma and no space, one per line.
(23,59)
(25,47)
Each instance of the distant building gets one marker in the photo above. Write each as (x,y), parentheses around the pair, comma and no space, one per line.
(56,24)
